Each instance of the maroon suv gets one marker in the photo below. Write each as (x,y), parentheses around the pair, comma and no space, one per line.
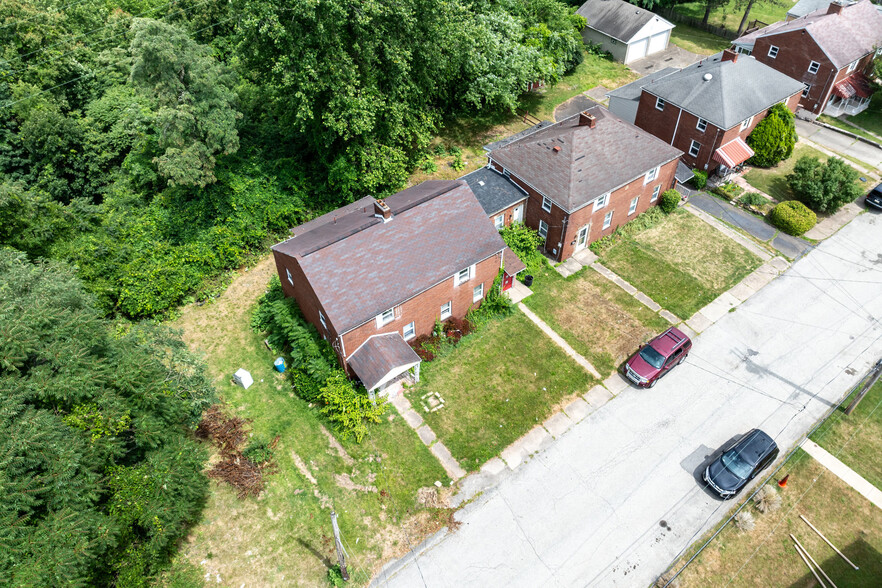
(658,357)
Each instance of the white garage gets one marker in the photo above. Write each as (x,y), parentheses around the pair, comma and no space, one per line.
(625,30)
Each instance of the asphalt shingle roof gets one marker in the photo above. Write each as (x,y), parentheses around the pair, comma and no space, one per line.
(359,266)
(380,355)
(589,162)
(634,90)
(843,37)
(493,190)
(804,7)
(735,91)
(616,18)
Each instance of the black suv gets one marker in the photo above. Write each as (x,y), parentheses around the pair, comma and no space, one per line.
(740,463)
(874,198)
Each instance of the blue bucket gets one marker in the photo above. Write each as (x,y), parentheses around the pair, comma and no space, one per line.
(279,364)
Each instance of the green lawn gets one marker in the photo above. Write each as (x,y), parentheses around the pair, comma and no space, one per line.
(597,318)
(697,40)
(773,181)
(281,538)
(496,384)
(871,118)
(729,15)
(856,439)
(682,263)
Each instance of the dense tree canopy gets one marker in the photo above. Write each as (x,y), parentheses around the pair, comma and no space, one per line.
(773,139)
(99,473)
(824,187)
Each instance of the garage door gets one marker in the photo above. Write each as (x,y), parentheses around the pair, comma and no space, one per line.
(637,49)
(658,42)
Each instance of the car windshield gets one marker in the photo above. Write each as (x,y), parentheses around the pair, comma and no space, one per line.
(652,357)
(736,464)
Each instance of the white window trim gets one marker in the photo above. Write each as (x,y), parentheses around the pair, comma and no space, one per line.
(449,311)
(290,277)
(814,65)
(651,175)
(543,224)
(499,221)
(633,207)
(607,219)
(701,125)
(696,146)
(546,200)
(477,292)
(746,123)
(773,51)
(806,90)
(659,104)
(409,326)
(381,322)
(322,319)
(655,193)
(470,273)
(600,202)
(852,66)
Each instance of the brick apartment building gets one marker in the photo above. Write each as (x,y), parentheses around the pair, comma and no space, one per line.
(374,274)
(831,51)
(582,177)
(707,109)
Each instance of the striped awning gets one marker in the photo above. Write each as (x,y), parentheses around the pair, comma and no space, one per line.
(733,153)
(856,84)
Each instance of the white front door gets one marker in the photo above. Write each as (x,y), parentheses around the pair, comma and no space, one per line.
(582,237)
(517,216)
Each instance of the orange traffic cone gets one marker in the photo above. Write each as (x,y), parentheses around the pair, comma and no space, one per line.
(783,481)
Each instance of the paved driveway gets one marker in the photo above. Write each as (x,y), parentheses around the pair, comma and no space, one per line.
(615,499)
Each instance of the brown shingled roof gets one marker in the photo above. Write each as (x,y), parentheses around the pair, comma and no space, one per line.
(360,266)
(572,165)
(379,357)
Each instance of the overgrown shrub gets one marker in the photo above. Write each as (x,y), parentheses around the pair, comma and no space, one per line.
(753,199)
(349,409)
(744,520)
(730,191)
(648,219)
(525,243)
(429,165)
(669,201)
(457,164)
(824,187)
(495,304)
(772,140)
(596,49)
(793,217)
(767,499)
(699,179)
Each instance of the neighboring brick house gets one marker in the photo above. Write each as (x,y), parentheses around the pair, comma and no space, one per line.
(708,109)
(375,274)
(584,176)
(627,31)
(831,51)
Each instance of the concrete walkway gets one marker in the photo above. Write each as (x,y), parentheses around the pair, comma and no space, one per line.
(426,435)
(558,340)
(843,472)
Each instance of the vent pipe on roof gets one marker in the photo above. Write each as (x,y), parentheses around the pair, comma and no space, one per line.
(708,77)
(382,210)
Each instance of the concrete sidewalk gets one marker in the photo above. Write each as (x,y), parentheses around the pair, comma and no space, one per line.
(843,472)
(840,143)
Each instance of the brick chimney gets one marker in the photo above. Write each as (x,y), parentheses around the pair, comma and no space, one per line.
(586,119)
(729,55)
(381,209)
(834,8)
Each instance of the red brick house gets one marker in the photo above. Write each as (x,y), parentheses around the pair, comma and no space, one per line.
(831,51)
(584,176)
(374,274)
(708,109)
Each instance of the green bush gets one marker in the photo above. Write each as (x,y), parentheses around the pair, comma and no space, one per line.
(644,221)
(457,164)
(793,217)
(670,199)
(525,243)
(729,191)
(824,187)
(753,199)
(259,451)
(494,304)
(429,165)
(772,140)
(699,180)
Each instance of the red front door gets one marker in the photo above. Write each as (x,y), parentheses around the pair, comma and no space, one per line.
(506,281)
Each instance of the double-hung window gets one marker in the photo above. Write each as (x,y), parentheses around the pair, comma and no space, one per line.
(546,204)
(385,317)
(408,331)
(852,66)
(446,311)
(773,51)
(477,292)
(633,207)
(814,66)
(601,202)
(659,104)
(650,175)
(694,148)
(322,319)
(701,125)
(746,123)
(499,221)
(465,275)
(543,229)
(290,277)
(655,192)
(607,220)
(806,90)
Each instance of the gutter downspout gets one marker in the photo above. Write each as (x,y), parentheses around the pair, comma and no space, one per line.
(676,127)
(712,149)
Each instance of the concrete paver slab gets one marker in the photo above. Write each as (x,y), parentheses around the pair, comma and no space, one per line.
(577,410)
(843,472)
(780,264)
(412,418)
(719,307)
(585,257)
(568,268)
(833,223)
(598,396)
(513,455)
(450,465)
(741,291)
(517,292)
(611,276)
(557,424)
(760,277)
(647,301)
(669,316)
(698,322)
(426,435)
(688,331)
(616,383)
(537,439)
(493,467)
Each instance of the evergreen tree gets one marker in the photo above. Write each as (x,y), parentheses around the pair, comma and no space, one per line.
(773,139)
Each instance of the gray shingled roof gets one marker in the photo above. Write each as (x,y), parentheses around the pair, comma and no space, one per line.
(735,91)
(843,37)
(493,190)
(590,162)
(380,355)
(616,18)
(360,266)
(633,90)
(804,7)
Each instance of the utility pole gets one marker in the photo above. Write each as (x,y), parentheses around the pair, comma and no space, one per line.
(873,377)
(341,553)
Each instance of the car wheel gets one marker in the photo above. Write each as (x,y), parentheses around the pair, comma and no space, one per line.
(653,383)
(682,359)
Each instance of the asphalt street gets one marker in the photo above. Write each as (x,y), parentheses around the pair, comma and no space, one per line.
(617,497)
(840,143)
